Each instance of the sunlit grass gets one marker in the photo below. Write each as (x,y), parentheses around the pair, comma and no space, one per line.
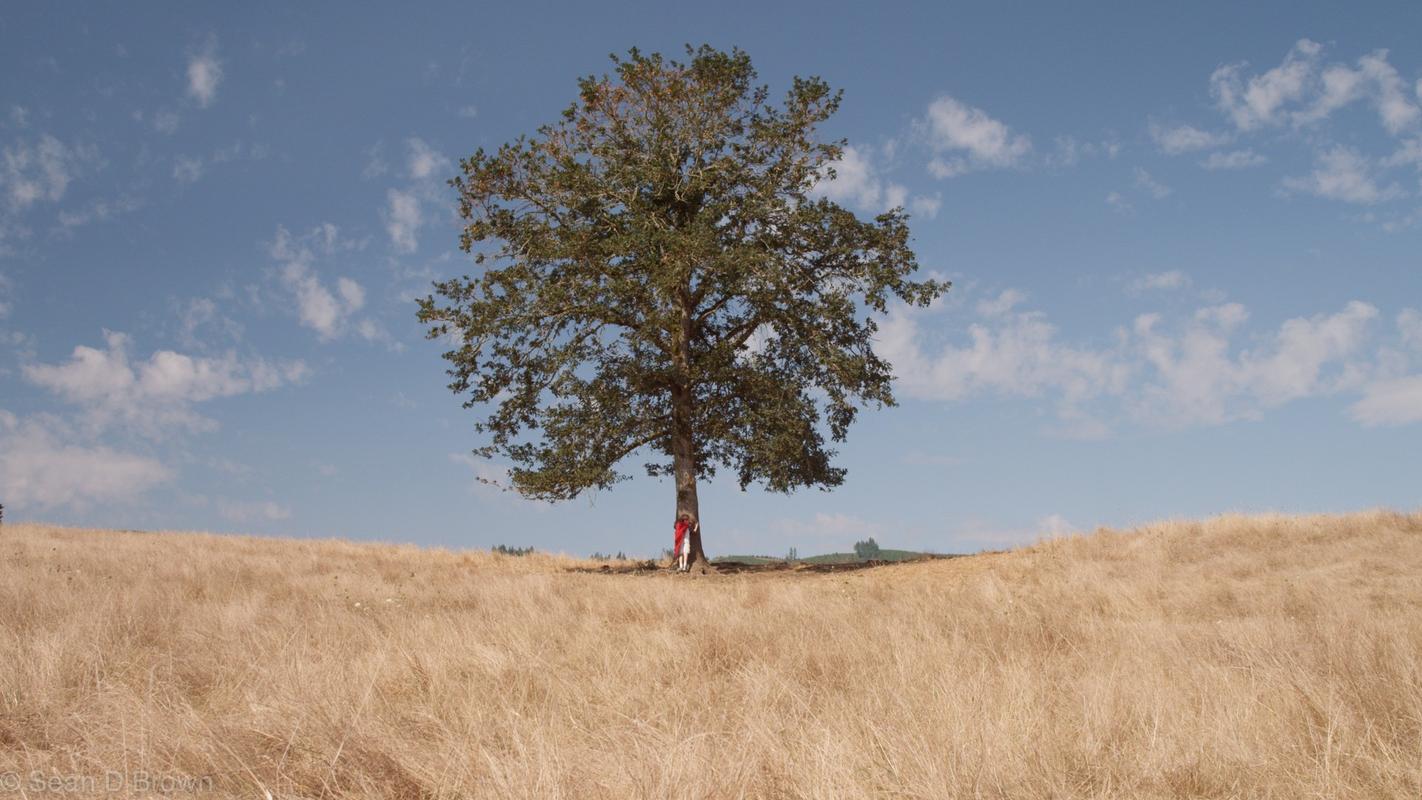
(1239,657)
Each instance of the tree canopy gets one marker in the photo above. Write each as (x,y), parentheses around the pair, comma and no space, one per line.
(658,274)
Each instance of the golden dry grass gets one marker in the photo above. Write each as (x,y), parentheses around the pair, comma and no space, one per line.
(1240,657)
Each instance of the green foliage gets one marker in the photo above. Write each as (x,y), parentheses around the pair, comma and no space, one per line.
(866,550)
(600,556)
(653,268)
(792,556)
(504,549)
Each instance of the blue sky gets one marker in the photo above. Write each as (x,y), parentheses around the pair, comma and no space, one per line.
(1184,241)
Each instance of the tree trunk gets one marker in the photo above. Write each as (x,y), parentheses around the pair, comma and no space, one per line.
(683,436)
(684,468)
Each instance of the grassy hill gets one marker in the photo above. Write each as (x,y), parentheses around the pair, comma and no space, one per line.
(1236,657)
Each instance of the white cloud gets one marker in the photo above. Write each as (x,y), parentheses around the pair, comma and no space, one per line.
(1173,279)
(1152,186)
(403,219)
(1409,153)
(327,309)
(39,471)
(1374,79)
(1339,86)
(375,165)
(1069,151)
(204,75)
(1400,222)
(154,396)
(1301,93)
(1118,202)
(97,211)
(1184,138)
(1237,159)
(1342,173)
(1194,377)
(1017,354)
(921,206)
(187,169)
(468,112)
(43,170)
(857,182)
(1396,401)
(854,180)
(201,314)
(1195,373)
(352,295)
(1001,304)
(967,138)
(424,160)
(317,308)
(1259,100)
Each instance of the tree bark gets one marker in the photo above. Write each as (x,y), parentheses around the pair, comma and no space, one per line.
(684,437)
(684,469)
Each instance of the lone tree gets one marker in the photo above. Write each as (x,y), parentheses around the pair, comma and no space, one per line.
(658,275)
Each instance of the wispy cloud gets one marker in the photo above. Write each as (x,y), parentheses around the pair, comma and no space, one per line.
(857,182)
(204,74)
(1184,138)
(1302,91)
(966,138)
(1153,187)
(41,471)
(187,169)
(1235,159)
(1259,100)
(1003,303)
(1342,173)
(327,307)
(424,161)
(403,219)
(1155,281)
(154,396)
(404,212)
(1191,372)
(41,170)
(1396,401)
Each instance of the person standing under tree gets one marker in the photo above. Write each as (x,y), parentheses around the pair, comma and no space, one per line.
(685,524)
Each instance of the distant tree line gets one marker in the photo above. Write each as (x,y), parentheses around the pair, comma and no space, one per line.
(504,549)
(867,550)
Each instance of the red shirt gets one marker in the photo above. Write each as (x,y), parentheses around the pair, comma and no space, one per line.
(681,528)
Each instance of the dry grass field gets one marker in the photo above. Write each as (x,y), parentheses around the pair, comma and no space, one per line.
(1239,657)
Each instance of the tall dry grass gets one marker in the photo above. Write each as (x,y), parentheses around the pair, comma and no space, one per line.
(1239,657)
